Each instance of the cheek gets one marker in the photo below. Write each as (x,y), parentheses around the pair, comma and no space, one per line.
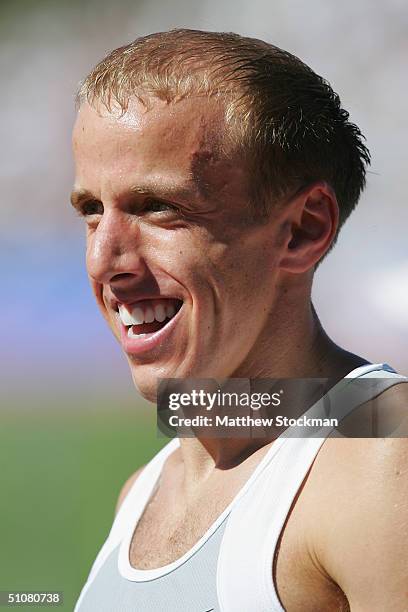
(228,271)
(247,275)
(186,255)
(241,263)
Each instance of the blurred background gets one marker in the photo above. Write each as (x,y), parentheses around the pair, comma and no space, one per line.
(71,426)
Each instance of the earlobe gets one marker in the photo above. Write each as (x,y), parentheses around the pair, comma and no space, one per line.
(314,216)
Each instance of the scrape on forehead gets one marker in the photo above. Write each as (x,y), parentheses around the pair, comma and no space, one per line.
(198,120)
(188,133)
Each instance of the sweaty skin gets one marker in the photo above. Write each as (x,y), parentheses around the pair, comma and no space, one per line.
(167,214)
(205,252)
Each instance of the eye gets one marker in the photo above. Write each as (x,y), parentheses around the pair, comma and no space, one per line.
(91,207)
(158,206)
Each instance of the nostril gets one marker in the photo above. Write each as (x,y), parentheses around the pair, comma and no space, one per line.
(121,277)
(123,284)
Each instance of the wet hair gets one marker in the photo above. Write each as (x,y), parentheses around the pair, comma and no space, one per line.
(285,120)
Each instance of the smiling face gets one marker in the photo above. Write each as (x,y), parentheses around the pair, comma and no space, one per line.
(183,276)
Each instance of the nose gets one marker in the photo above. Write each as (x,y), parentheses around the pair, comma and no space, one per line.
(114,250)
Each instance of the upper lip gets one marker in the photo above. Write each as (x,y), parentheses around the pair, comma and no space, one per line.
(114,303)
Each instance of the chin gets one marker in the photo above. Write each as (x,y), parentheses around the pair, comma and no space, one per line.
(146,379)
(146,376)
(146,384)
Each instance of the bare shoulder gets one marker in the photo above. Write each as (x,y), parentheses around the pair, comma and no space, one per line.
(349,520)
(361,486)
(353,482)
(126,487)
(391,411)
(363,462)
(397,395)
(385,415)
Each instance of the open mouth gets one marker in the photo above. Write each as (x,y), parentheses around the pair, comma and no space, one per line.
(148,316)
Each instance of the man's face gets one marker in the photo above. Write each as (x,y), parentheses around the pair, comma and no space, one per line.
(183,276)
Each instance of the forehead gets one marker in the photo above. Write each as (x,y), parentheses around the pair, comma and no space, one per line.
(180,140)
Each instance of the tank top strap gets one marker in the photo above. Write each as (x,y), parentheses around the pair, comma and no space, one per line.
(244,573)
(133,504)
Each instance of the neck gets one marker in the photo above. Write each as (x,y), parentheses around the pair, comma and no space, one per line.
(295,347)
(292,342)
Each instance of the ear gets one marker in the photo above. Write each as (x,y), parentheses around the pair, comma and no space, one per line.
(312,218)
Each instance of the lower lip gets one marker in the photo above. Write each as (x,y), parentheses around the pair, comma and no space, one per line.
(147,342)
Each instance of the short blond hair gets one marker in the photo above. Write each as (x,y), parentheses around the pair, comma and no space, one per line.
(285,120)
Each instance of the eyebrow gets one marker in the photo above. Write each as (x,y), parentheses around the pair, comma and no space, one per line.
(157,189)
(153,189)
(80,195)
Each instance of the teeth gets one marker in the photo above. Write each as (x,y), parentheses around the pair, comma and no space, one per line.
(159,312)
(136,317)
(125,316)
(170,310)
(147,313)
(131,333)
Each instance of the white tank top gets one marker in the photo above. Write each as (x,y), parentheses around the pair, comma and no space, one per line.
(230,568)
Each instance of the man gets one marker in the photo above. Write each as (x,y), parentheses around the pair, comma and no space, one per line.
(214,172)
